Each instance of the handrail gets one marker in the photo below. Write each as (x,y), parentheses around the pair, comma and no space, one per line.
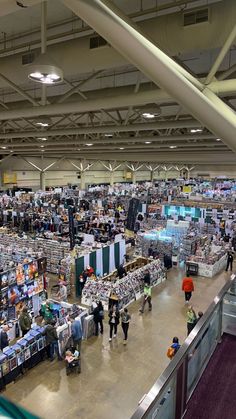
(151,397)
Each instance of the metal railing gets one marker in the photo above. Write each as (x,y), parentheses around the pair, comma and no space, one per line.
(169,396)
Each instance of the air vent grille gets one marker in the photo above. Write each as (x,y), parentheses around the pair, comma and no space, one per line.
(27,58)
(198,16)
(97,42)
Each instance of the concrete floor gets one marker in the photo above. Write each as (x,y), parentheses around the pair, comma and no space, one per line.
(115,377)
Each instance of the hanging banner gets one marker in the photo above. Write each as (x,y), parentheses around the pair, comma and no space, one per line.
(71,227)
(132,213)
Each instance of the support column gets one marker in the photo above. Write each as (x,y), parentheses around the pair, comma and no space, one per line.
(133,177)
(152,175)
(42,180)
(82,180)
(112,177)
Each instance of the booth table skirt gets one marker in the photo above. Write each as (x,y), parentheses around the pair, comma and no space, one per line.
(30,363)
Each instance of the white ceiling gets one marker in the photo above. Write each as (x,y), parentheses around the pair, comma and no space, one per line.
(68,43)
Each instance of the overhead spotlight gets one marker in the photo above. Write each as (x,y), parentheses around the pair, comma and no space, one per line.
(148,142)
(45,71)
(42,138)
(148,115)
(193,130)
(218,139)
(173,146)
(108,135)
(42,146)
(3,147)
(89,145)
(121,148)
(151,111)
(43,121)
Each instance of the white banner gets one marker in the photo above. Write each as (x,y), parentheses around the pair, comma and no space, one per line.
(86,260)
(112,265)
(122,251)
(99,262)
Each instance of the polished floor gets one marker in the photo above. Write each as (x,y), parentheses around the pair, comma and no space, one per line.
(115,377)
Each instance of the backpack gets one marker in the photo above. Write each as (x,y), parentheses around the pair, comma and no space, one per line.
(101,314)
(170,352)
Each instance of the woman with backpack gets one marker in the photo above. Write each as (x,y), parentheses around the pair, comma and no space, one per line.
(98,316)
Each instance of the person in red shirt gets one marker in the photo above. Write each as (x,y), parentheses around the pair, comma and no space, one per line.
(187,287)
(89,271)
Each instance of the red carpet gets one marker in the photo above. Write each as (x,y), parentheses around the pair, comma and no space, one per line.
(215,395)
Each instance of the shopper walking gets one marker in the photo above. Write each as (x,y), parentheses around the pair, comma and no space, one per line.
(50,333)
(230,259)
(191,319)
(76,333)
(147,298)
(114,320)
(125,319)
(187,287)
(98,316)
(25,321)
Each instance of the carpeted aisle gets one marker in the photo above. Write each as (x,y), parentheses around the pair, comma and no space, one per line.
(215,395)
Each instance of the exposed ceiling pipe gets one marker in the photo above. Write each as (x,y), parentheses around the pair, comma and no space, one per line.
(224,74)
(206,107)
(105,129)
(115,140)
(230,39)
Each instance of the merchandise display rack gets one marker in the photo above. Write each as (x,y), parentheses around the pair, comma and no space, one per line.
(125,290)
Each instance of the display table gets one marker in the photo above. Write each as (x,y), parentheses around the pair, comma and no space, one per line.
(211,270)
(125,290)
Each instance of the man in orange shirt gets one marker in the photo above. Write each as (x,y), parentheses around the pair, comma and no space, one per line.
(187,287)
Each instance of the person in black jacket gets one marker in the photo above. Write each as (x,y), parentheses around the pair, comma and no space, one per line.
(147,278)
(98,316)
(121,271)
(50,333)
(230,259)
(4,340)
(114,320)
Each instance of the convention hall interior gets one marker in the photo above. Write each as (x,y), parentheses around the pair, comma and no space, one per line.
(117,209)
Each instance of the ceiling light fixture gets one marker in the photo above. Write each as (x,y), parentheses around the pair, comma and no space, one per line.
(44,69)
(108,135)
(3,147)
(89,145)
(42,138)
(173,146)
(148,115)
(43,121)
(121,148)
(148,142)
(45,73)
(42,146)
(193,130)
(218,139)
